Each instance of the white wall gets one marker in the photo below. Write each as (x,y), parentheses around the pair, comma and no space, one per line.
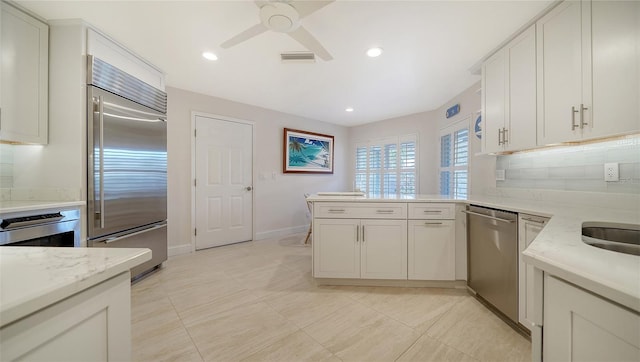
(6,166)
(61,163)
(421,124)
(279,203)
(481,167)
(427,126)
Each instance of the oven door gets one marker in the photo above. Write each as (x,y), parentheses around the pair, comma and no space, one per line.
(64,233)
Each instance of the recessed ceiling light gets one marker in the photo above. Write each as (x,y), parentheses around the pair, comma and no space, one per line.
(374,52)
(349,109)
(209,56)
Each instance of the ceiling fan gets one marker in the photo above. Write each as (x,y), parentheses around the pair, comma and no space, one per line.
(285,17)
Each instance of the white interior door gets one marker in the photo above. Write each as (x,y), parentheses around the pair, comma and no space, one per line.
(224,194)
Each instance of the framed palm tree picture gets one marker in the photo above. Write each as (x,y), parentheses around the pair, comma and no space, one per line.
(307,152)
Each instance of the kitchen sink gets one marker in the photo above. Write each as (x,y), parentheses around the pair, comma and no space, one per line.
(622,238)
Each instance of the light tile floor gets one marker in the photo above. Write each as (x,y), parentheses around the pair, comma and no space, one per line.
(257,301)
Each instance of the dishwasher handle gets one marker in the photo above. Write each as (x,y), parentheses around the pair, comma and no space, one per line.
(488,216)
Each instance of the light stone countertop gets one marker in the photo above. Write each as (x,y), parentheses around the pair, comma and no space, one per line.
(32,278)
(559,249)
(386,198)
(14,206)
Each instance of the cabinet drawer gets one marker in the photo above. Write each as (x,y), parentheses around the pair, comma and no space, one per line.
(430,210)
(346,210)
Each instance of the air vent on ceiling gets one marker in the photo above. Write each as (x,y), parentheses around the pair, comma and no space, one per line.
(298,57)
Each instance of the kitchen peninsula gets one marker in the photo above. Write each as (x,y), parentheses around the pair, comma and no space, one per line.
(66,303)
(565,268)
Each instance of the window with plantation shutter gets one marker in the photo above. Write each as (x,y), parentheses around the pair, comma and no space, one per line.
(387,166)
(360,181)
(454,160)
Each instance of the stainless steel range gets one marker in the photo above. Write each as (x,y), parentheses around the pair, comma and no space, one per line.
(127,163)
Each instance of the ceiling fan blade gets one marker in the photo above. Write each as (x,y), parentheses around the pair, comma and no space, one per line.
(306,7)
(245,35)
(302,36)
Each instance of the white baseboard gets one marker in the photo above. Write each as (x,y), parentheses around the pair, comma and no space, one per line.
(281,232)
(457,284)
(180,249)
(271,234)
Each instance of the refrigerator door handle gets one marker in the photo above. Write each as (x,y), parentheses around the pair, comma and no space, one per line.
(101,165)
(125,236)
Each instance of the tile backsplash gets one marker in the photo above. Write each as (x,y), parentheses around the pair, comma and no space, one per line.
(574,168)
(6,165)
(9,191)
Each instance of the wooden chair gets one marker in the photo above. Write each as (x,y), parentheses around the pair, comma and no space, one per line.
(309,206)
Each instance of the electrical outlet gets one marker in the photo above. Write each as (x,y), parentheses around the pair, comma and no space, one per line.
(611,172)
(500,175)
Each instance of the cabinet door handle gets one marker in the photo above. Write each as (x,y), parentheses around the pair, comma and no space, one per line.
(363,233)
(432,211)
(582,122)
(433,223)
(336,210)
(384,211)
(505,132)
(573,118)
(499,136)
(101,153)
(357,233)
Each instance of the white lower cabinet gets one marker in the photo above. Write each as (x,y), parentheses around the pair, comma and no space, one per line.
(581,326)
(529,226)
(431,241)
(383,249)
(431,245)
(376,241)
(353,248)
(336,249)
(93,325)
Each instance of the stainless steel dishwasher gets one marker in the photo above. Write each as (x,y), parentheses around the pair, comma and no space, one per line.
(492,237)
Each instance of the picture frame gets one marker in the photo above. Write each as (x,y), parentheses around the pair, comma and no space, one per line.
(307,152)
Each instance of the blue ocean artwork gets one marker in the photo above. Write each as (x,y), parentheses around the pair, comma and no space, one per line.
(308,153)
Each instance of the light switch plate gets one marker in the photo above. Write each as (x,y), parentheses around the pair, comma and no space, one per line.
(611,172)
(500,175)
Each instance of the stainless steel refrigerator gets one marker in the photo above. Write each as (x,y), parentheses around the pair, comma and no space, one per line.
(127,163)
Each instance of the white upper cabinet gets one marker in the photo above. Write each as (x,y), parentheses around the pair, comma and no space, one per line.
(560,68)
(520,131)
(493,102)
(24,74)
(509,96)
(588,70)
(615,47)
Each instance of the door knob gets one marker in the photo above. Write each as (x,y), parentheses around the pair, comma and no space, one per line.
(248,188)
